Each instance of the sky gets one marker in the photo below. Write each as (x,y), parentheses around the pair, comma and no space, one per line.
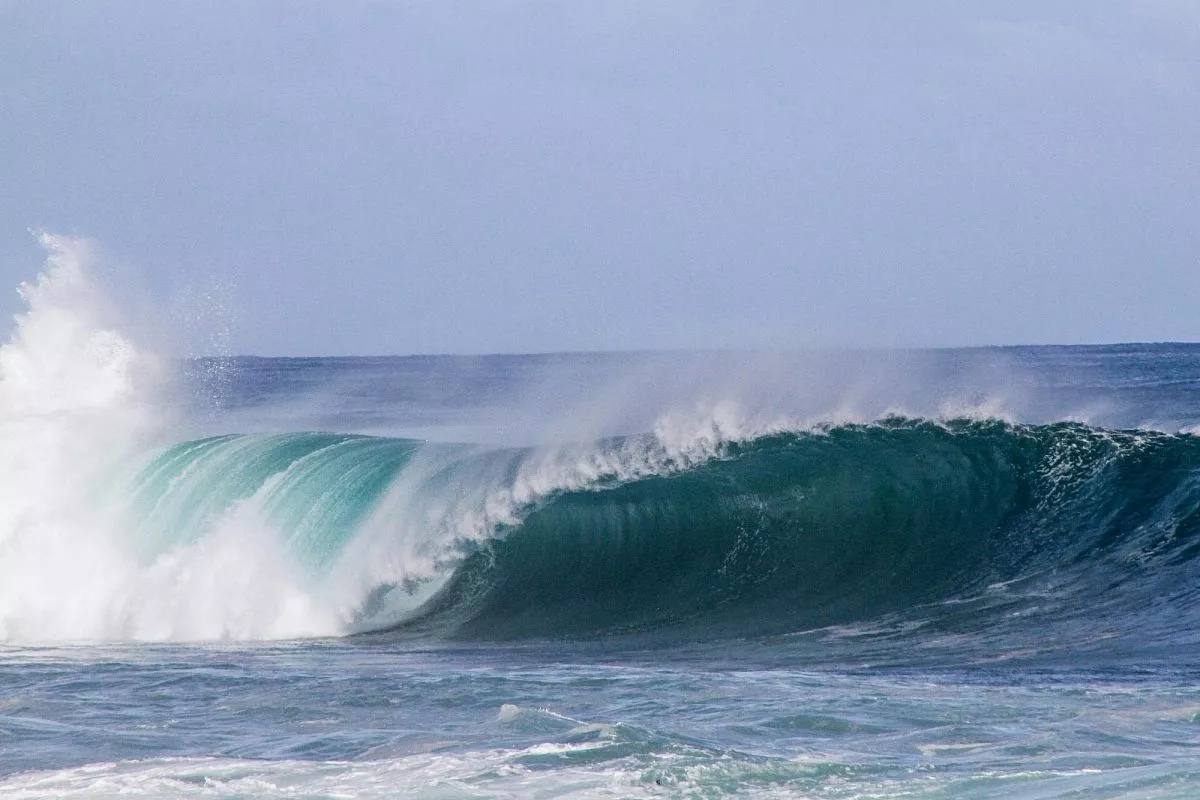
(349,177)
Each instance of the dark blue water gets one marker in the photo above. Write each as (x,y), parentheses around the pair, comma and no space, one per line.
(935,574)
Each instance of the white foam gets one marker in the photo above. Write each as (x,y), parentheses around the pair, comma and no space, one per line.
(77,399)
(492,773)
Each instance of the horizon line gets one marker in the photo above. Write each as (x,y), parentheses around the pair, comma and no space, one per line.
(702,350)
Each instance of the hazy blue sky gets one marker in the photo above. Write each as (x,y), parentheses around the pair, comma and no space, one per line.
(393,177)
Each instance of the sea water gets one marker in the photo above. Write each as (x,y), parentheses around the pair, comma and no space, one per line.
(854,574)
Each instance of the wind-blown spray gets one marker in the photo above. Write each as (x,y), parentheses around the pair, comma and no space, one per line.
(80,403)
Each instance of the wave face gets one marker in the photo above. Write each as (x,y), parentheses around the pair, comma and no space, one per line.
(798,530)
(314,488)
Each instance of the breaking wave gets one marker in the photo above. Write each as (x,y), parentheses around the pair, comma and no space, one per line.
(713,527)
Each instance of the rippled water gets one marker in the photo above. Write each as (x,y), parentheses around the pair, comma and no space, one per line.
(332,719)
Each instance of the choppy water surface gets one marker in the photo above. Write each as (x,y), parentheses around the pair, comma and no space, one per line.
(334,719)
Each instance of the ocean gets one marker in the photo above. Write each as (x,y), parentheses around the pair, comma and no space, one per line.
(958,573)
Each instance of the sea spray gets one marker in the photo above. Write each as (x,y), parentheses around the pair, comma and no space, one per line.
(71,410)
(79,402)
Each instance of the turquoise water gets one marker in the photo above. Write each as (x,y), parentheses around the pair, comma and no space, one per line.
(942,574)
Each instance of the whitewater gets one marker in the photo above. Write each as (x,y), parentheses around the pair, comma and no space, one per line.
(851,574)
